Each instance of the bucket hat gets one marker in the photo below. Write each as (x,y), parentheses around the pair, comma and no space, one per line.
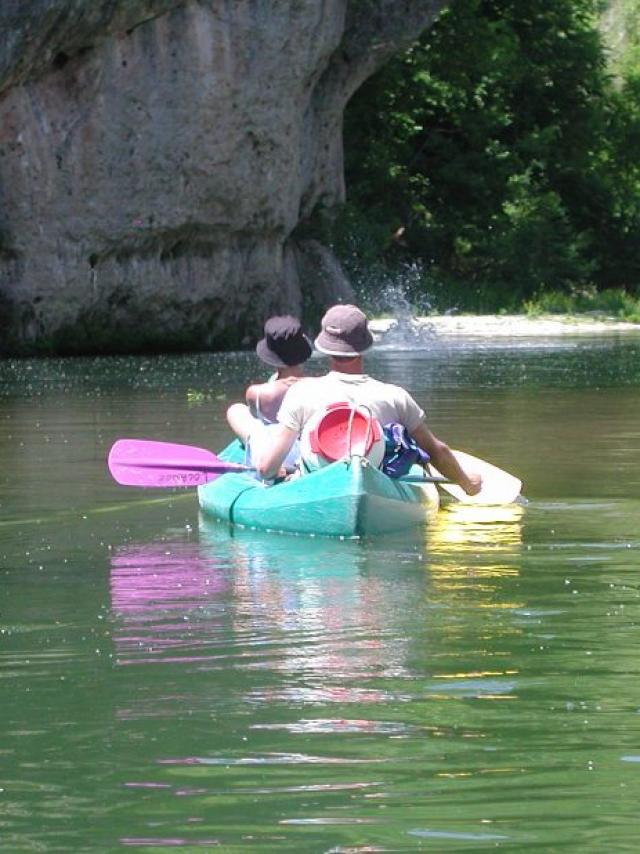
(345,332)
(284,343)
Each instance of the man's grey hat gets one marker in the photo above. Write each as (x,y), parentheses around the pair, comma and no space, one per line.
(345,332)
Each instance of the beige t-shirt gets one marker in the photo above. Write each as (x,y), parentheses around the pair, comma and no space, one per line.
(387,402)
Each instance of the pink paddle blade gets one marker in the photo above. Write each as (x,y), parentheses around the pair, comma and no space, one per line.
(147,463)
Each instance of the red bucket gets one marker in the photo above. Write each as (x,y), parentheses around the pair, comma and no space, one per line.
(344,430)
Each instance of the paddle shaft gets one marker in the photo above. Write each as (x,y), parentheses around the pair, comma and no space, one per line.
(148,463)
(416,478)
(217,468)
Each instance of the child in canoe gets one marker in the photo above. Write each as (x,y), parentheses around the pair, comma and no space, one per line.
(286,348)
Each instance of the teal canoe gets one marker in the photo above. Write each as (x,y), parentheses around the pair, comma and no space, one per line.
(348,498)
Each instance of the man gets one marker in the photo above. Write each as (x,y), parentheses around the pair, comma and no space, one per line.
(344,337)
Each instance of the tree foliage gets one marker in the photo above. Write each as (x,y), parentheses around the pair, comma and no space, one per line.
(498,153)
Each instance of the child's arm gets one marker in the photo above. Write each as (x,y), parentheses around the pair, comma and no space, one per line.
(265,398)
(254,393)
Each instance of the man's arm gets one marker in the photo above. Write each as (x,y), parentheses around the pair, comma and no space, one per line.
(444,460)
(280,444)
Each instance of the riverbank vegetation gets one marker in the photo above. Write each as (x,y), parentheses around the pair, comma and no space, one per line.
(611,302)
(494,165)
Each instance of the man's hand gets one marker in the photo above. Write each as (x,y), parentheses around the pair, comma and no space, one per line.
(474,484)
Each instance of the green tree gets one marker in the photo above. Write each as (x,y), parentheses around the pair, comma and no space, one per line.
(497,152)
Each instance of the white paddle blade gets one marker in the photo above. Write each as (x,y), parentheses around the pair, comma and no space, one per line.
(498,486)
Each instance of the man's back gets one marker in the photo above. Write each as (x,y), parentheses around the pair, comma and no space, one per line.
(387,402)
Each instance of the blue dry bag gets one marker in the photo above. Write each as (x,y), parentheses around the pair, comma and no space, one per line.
(401,451)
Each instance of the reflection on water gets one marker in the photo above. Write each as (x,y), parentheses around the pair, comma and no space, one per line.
(477,549)
(321,642)
(466,527)
(304,608)
(326,616)
(166,598)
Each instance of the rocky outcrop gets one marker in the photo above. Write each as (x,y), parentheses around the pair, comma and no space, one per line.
(158,159)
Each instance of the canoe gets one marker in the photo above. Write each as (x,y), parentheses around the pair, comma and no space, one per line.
(348,498)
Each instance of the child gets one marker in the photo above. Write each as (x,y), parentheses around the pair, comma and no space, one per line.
(284,347)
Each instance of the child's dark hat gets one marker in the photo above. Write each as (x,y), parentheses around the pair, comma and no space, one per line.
(284,343)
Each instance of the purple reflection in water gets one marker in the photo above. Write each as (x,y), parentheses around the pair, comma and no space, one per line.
(166,598)
(146,577)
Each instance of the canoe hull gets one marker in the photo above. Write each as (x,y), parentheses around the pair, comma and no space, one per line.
(347,499)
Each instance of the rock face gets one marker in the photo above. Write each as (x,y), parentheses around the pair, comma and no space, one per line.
(157,158)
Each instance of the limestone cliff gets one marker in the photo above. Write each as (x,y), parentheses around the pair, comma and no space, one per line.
(157,158)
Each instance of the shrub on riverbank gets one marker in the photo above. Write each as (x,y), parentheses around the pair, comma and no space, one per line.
(612,302)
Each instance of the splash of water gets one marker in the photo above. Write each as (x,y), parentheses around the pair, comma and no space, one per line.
(402,296)
(407,332)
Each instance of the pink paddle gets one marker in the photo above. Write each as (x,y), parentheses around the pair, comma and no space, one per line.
(143,462)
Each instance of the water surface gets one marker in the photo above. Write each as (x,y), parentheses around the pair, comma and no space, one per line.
(167,682)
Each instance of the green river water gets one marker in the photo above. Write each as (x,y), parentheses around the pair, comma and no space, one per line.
(167,683)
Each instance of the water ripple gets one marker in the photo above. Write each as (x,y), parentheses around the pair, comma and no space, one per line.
(268,759)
